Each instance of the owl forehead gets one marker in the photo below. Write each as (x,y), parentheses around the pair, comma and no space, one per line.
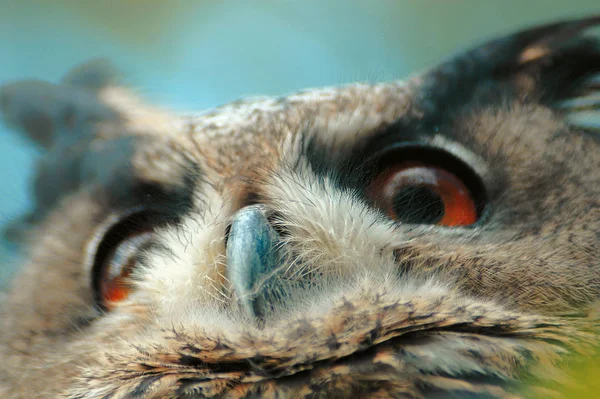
(253,135)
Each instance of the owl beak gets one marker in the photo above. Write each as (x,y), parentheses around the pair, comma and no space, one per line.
(254,258)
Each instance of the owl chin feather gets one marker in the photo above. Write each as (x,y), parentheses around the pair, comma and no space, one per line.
(263,249)
(367,339)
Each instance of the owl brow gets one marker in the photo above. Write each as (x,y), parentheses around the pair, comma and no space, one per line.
(345,169)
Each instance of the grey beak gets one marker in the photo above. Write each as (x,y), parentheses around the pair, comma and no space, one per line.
(254,256)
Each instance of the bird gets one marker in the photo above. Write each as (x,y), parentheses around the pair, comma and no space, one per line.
(435,237)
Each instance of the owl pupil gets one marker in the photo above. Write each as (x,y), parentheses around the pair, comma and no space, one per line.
(418,204)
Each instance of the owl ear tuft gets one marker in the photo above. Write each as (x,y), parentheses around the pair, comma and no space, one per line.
(49,114)
(558,65)
(567,67)
(93,75)
(549,41)
(548,64)
(564,65)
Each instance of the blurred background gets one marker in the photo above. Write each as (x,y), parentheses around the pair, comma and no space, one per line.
(189,55)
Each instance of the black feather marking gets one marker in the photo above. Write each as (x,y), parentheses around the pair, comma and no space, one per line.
(558,58)
(144,385)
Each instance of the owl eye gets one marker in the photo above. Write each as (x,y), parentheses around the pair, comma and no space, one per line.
(117,257)
(435,189)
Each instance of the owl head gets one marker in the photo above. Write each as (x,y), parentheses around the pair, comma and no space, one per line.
(420,239)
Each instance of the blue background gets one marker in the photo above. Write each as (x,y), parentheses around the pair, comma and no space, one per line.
(199,54)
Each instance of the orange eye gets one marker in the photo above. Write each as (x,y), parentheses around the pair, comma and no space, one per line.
(423,194)
(114,279)
(118,255)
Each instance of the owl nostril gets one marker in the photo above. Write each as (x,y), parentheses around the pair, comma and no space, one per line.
(277,222)
(227,233)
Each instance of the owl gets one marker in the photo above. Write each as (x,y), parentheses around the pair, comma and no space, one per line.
(432,238)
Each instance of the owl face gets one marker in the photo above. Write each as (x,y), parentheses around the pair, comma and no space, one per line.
(411,239)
